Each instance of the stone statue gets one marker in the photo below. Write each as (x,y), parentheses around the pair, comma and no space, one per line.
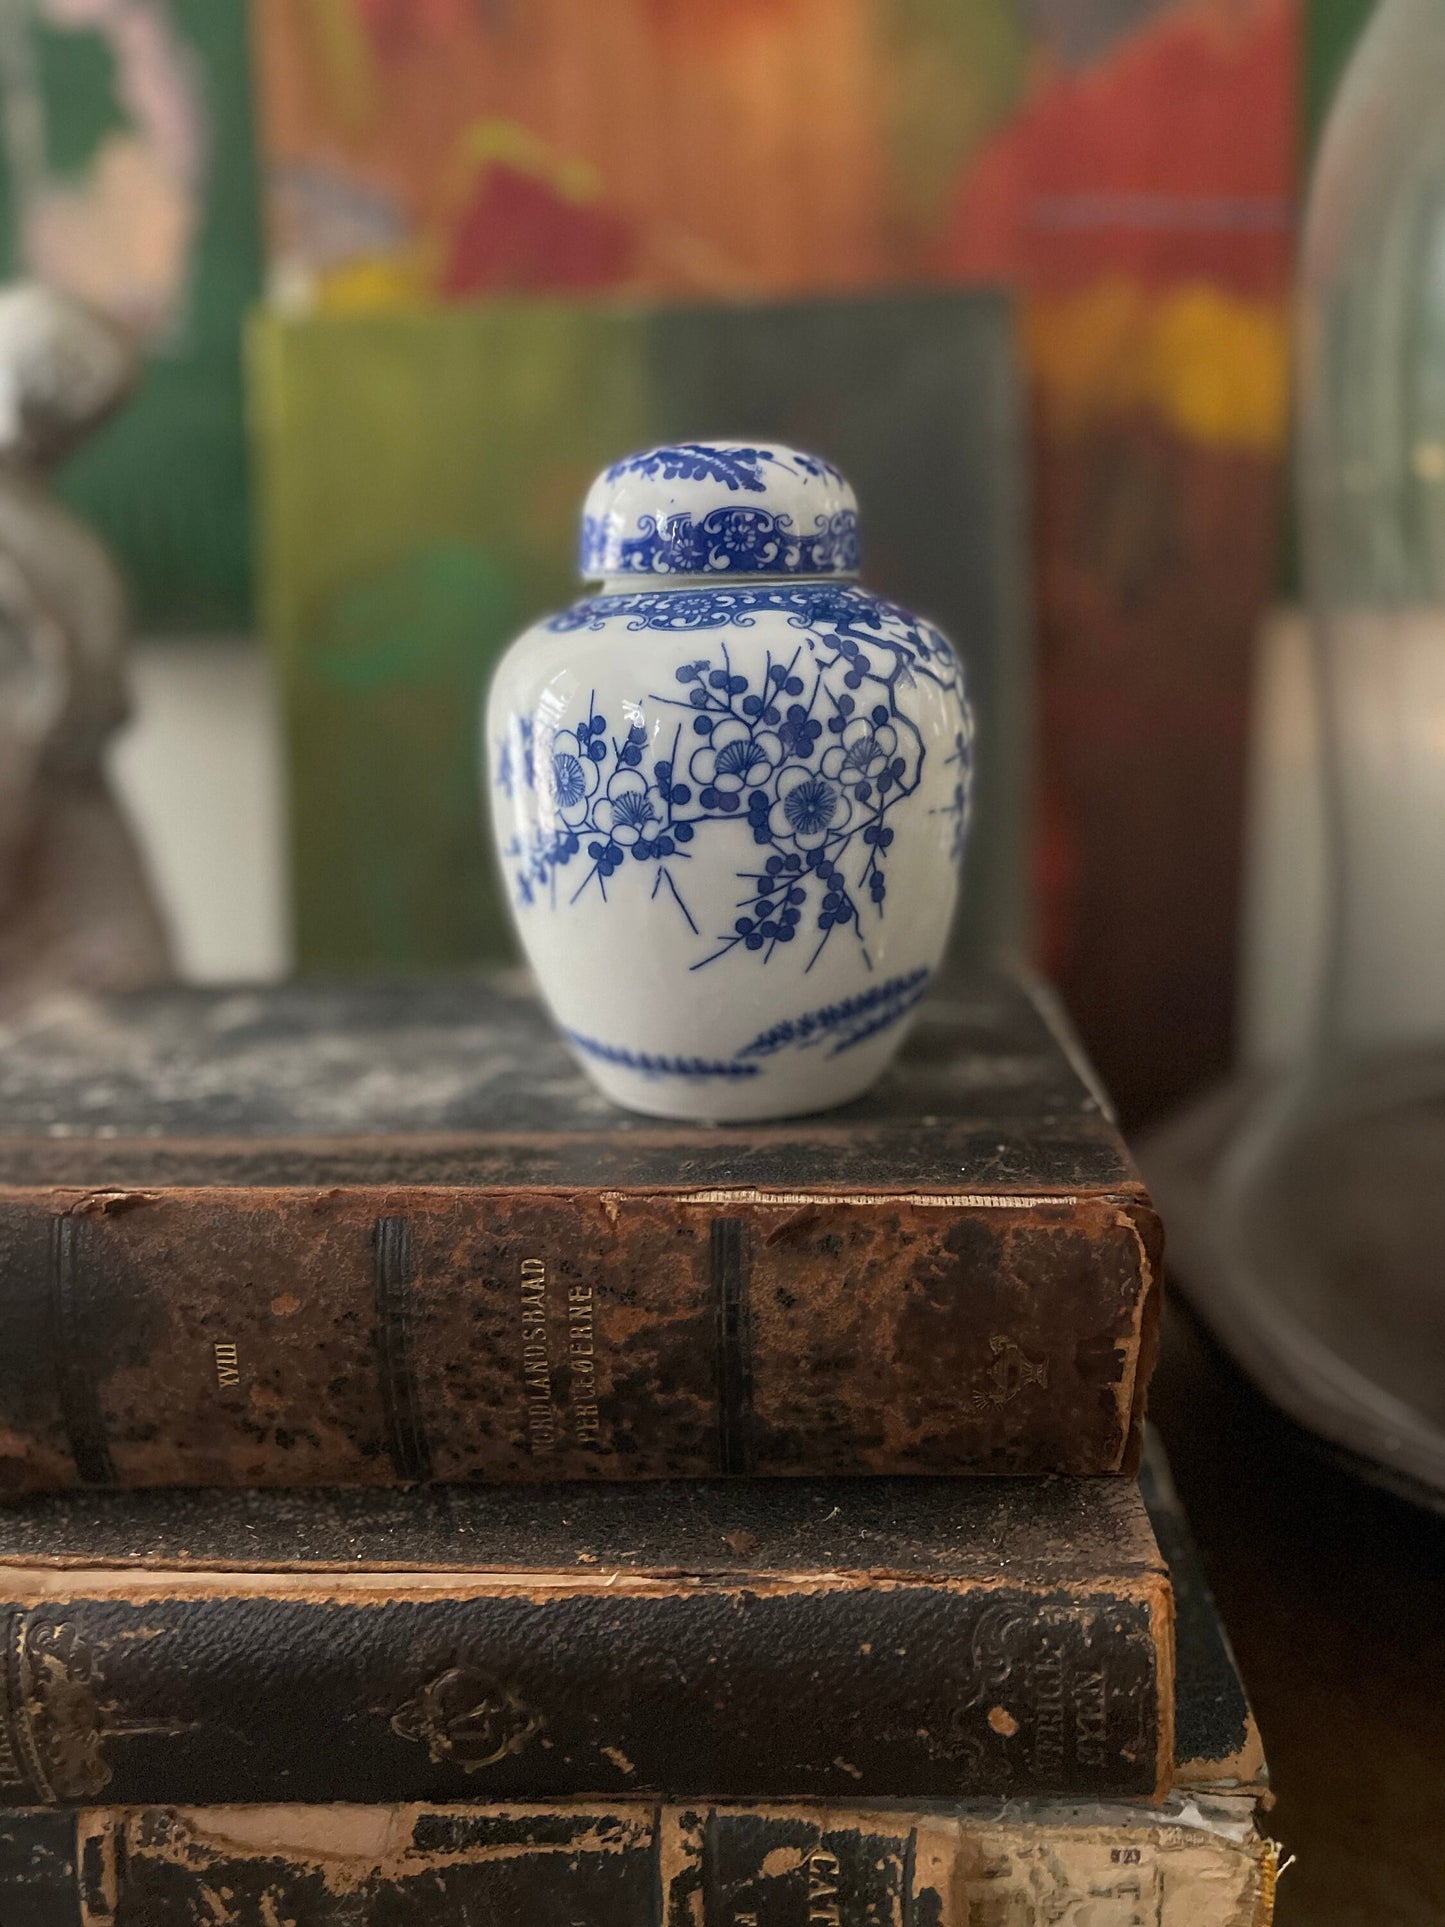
(76,908)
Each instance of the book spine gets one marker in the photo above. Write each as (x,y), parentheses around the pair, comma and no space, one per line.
(255,1337)
(219,1687)
(625,1865)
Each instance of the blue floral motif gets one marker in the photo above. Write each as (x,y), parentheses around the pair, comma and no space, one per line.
(743,541)
(733,466)
(814,754)
(843,1025)
(960,759)
(699,462)
(816,466)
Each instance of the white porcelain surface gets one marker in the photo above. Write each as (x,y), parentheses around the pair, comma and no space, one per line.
(730,798)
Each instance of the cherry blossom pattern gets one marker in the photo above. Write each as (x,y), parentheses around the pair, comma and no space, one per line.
(815,753)
(629,812)
(574,772)
(810,809)
(737,757)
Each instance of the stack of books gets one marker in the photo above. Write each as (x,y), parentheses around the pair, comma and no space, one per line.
(431,1495)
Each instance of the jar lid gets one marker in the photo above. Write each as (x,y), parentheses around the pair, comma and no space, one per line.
(720,508)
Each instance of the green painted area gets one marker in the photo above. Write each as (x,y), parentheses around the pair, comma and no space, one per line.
(77,76)
(166,482)
(398,654)
(420,479)
(415,624)
(1332,28)
(959,67)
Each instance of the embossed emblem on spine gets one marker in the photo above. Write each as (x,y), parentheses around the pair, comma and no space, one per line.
(54,1721)
(22,1774)
(997,1638)
(66,1685)
(464,1718)
(1002,1381)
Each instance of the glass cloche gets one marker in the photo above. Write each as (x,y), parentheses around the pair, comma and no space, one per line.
(1331,1207)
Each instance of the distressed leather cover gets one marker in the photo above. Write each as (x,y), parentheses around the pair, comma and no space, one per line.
(836,1639)
(1199,1863)
(370,1235)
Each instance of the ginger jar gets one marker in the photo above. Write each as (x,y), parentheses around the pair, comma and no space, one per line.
(730,790)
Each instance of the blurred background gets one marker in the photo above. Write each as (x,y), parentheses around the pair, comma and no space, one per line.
(406,270)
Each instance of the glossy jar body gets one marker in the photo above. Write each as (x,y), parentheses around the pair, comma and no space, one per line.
(730,818)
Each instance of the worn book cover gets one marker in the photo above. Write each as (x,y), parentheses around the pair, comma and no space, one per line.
(1217,1747)
(1195,1859)
(367,1235)
(845,1639)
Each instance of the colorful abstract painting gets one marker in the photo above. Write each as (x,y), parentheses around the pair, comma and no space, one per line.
(127,177)
(1128,166)
(1143,199)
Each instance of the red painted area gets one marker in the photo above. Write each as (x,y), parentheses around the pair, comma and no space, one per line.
(1173,158)
(519,235)
(397,24)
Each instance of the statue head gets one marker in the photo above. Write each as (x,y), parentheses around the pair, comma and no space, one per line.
(63,369)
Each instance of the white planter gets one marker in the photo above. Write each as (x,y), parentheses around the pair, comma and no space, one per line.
(730,791)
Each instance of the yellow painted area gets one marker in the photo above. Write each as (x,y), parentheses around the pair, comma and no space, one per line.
(1213,366)
(349,95)
(372,282)
(518,147)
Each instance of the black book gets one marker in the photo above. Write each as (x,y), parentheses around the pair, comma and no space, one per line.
(628,1862)
(846,1639)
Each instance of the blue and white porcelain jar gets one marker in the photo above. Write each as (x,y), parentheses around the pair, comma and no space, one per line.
(730,790)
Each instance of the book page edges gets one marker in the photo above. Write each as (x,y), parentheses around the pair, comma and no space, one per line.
(1195,1862)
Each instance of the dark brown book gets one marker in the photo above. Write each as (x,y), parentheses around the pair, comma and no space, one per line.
(713,1639)
(368,1235)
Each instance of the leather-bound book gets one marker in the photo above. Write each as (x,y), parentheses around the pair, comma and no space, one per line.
(710,1639)
(1195,1859)
(373,1235)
